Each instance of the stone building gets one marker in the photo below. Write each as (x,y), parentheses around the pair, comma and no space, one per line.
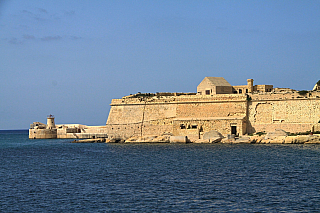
(218,85)
(213,86)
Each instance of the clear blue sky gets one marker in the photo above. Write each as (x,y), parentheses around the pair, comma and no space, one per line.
(70,58)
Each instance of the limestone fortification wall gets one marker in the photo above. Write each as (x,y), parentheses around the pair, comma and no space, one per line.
(288,111)
(193,115)
(130,117)
(42,133)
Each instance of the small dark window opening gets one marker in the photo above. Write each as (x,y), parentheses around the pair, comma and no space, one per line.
(207,92)
(246,90)
(240,91)
(182,126)
(234,130)
(194,126)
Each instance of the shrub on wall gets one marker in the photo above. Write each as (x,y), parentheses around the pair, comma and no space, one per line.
(302,92)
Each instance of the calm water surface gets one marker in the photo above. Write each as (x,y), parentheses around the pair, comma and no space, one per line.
(59,176)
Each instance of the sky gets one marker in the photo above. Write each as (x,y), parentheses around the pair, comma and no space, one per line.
(70,58)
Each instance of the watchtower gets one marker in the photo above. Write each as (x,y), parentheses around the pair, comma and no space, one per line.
(250,85)
(50,122)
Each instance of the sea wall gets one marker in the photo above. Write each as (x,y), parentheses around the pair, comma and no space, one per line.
(42,133)
(69,131)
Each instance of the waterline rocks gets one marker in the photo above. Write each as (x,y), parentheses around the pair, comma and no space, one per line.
(97,140)
(243,140)
(298,139)
(149,139)
(213,136)
(179,139)
(276,137)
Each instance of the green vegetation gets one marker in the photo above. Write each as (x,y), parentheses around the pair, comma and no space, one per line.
(142,95)
(261,133)
(249,98)
(302,92)
(302,133)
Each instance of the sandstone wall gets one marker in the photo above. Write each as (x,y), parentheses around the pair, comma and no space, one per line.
(195,128)
(42,133)
(290,112)
(130,117)
(193,115)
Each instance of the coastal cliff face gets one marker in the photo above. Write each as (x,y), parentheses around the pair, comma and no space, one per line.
(193,115)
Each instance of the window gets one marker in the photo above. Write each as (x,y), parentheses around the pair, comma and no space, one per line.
(246,90)
(182,126)
(207,92)
(194,126)
(234,130)
(240,91)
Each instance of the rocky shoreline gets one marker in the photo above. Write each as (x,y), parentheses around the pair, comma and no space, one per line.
(277,137)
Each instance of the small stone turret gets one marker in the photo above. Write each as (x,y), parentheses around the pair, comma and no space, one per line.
(250,85)
(50,122)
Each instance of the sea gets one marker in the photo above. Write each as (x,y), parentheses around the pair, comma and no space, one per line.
(55,175)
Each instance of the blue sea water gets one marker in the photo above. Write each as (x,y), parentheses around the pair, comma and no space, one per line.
(58,176)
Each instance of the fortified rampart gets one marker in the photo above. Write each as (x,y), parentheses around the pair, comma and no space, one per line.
(190,115)
(243,110)
(288,111)
(51,130)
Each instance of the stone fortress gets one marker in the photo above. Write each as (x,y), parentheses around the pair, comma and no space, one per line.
(217,106)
